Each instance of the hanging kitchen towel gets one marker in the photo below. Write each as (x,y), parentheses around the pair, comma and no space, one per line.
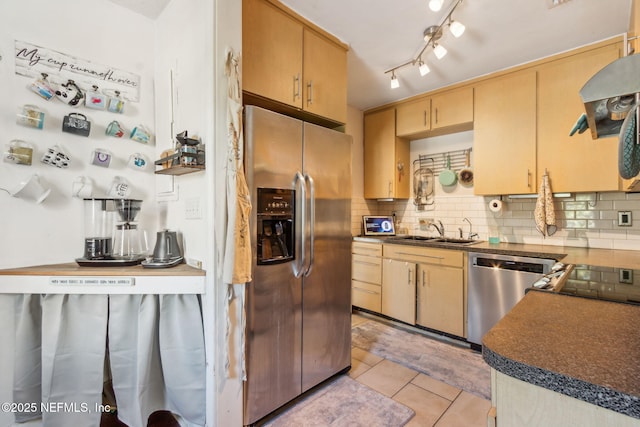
(544,212)
(238,245)
(181,339)
(134,354)
(74,333)
(236,261)
(27,373)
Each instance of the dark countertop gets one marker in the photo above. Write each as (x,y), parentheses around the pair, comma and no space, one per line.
(566,254)
(580,347)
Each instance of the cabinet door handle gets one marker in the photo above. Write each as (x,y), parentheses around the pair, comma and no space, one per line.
(425,118)
(310,92)
(296,86)
(528,178)
(424,280)
(409,276)
(390,188)
(436,116)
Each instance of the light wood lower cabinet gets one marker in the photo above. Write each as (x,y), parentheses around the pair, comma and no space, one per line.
(440,292)
(399,290)
(425,286)
(513,400)
(366,276)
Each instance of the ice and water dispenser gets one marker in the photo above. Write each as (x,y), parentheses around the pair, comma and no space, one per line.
(275,225)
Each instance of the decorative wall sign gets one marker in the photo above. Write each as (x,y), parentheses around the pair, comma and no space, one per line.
(32,61)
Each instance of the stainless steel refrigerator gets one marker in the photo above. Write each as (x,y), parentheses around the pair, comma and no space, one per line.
(299,303)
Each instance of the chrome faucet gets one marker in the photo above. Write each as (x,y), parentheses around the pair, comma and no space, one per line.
(471,233)
(440,228)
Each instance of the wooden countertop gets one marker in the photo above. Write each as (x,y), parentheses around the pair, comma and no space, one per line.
(73,269)
(70,278)
(584,348)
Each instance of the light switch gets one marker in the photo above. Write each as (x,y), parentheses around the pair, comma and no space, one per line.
(192,208)
(624,218)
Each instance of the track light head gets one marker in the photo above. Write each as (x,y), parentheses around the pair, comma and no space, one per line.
(435,5)
(395,84)
(423,68)
(456,28)
(439,51)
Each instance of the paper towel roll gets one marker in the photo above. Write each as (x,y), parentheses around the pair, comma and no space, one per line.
(495,206)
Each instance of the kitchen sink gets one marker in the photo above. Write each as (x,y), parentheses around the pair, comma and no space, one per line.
(458,241)
(447,240)
(418,238)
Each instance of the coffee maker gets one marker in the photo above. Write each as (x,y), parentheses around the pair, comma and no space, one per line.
(110,243)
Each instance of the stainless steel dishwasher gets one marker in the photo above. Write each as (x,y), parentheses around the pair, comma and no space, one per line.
(495,284)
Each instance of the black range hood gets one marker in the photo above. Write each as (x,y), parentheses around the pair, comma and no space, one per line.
(609,94)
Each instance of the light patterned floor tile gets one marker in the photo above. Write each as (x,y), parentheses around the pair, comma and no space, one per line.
(358,368)
(357,319)
(437,387)
(364,356)
(387,377)
(467,410)
(427,406)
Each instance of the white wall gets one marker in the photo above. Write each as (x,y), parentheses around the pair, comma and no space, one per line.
(99,32)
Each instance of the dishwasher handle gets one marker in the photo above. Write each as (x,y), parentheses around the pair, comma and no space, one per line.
(505,264)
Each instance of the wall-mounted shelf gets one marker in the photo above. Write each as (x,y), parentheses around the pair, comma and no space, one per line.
(178,168)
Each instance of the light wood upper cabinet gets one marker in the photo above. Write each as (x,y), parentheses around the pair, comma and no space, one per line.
(289,61)
(504,144)
(383,153)
(272,51)
(325,77)
(413,117)
(574,163)
(451,108)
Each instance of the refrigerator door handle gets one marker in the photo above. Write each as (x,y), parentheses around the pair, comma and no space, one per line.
(299,266)
(312,220)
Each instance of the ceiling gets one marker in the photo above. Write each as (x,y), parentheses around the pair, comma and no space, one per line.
(499,34)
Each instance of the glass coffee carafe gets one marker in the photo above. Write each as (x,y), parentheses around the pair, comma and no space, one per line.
(130,241)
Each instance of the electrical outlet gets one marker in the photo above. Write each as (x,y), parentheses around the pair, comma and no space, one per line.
(192,208)
(624,218)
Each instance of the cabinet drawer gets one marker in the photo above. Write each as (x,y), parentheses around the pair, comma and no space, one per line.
(370,249)
(436,256)
(366,295)
(366,268)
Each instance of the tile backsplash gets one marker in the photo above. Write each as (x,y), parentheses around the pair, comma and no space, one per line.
(583,219)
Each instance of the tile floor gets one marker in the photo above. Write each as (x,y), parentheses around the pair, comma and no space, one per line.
(435,403)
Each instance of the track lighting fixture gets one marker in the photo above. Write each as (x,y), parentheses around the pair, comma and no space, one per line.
(435,5)
(456,28)
(423,68)
(439,51)
(431,36)
(395,84)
